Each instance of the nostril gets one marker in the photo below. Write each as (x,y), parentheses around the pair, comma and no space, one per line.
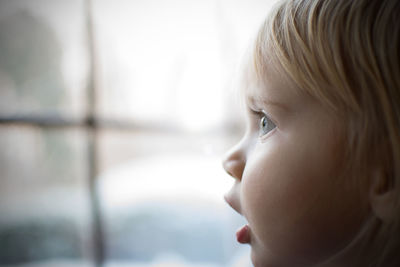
(226,165)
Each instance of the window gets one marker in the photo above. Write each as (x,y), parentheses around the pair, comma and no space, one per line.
(114,117)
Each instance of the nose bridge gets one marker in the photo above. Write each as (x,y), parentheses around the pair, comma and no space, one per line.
(235,160)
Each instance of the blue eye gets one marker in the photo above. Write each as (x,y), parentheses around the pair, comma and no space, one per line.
(266,125)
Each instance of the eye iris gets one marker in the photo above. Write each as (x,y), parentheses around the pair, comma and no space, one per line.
(266,125)
(264,122)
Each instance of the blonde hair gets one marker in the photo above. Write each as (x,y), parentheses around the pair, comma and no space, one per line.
(346,54)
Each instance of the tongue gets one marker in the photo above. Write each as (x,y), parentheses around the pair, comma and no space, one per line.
(243,235)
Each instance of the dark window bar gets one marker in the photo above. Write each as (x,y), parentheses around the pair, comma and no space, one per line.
(55,121)
(98,238)
(46,121)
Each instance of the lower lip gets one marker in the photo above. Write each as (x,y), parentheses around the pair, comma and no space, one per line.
(243,235)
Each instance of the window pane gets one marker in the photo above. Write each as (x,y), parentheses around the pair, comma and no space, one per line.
(43,197)
(43,63)
(162,196)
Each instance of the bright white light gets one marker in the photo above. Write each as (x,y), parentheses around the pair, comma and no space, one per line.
(162,62)
(164,177)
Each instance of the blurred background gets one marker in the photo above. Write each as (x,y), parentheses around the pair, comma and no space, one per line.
(114,116)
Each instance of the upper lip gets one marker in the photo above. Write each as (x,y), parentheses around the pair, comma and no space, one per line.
(232,199)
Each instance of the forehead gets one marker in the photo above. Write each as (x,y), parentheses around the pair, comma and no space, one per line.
(270,85)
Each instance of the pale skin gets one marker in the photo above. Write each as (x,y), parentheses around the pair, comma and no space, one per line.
(288,181)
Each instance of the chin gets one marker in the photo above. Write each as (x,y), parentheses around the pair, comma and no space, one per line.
(258,260)
(261,259)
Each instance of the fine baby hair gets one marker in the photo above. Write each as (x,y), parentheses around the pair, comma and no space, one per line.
(341,59)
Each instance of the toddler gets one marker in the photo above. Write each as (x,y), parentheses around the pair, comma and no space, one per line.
(317,172)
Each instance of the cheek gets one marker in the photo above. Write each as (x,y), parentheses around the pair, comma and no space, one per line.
(295,204)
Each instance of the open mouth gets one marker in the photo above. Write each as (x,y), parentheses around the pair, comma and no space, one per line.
(243,235)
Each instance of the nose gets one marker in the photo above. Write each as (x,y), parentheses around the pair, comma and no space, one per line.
(235,161)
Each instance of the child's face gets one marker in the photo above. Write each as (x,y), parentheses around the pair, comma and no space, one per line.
(288,181)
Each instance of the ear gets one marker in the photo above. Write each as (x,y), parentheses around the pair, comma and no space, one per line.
(382,196)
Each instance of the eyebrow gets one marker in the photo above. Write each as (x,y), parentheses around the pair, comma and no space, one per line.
(253,101)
